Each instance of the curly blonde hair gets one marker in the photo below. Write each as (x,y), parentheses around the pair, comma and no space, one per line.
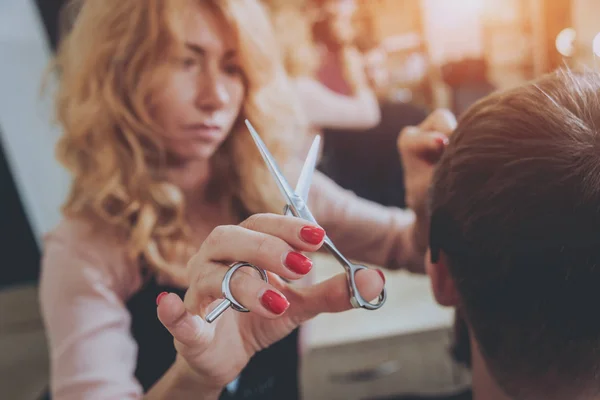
(110,62)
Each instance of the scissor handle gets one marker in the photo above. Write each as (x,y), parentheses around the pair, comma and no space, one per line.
(356,299)
(226,290)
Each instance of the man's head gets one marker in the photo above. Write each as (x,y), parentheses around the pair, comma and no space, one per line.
(515,234)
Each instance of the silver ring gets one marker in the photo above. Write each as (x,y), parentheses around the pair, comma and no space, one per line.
(226,290)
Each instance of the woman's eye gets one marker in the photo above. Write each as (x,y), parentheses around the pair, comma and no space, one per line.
(188,62)
(233,69)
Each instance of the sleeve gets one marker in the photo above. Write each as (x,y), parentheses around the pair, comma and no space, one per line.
(92,353)
(328,109)
(366,231)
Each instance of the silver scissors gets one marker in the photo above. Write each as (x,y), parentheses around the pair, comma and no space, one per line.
(303,188)
(296,206)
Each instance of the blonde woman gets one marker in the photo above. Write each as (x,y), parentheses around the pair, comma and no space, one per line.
(166,190)
(333,87)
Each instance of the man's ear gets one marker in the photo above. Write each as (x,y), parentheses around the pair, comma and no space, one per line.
(442,284)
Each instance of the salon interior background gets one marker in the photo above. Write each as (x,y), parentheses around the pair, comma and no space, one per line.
(441,54)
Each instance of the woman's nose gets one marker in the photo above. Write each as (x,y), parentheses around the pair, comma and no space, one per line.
(213,94)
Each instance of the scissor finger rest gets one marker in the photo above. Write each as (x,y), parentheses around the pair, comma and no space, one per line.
(356,299)
(229,300)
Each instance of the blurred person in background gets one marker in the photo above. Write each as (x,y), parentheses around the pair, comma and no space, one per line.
(340,79)
(352,157)
(167,191)
(342,65)
(334,92)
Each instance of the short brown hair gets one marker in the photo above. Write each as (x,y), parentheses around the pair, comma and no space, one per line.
(516,210)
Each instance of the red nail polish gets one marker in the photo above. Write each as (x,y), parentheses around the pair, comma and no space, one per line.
(274,302)
(298,263)
(381,274)
(312,234)
(160,297)
(441,141)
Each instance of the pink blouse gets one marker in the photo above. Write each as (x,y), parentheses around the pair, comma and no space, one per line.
(86,282)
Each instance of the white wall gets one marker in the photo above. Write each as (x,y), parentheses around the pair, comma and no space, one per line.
(25,117)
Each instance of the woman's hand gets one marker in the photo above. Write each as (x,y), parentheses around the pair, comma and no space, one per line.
(420,148)
(216,353)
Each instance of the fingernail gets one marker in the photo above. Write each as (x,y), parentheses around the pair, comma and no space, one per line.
(298,263)
(381,274)
(160,297)
(442,141)
(274,302)
(312,234)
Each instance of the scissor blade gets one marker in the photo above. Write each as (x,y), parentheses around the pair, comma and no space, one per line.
(283,184)
(308,169)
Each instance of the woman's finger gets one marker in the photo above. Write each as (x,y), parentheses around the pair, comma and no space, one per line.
(188,329)
(232,243)
(426,146)
(246,287)
(299,233)
(333,294)
(441,120)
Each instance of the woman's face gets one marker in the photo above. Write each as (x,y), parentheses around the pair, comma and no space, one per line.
(204,92)
(339,15)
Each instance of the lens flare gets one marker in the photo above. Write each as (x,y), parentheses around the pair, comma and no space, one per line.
(565,42)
